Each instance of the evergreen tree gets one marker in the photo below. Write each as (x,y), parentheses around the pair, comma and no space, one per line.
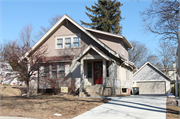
(105,16)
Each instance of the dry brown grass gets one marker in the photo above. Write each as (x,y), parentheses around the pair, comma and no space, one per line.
(9,91)
(45,106)
(173,112)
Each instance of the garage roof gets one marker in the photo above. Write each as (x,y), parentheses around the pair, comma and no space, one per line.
(148,63)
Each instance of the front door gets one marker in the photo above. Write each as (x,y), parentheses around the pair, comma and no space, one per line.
(98,79)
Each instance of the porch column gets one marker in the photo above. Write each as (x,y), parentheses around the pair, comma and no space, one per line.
(82,77)
(104,72)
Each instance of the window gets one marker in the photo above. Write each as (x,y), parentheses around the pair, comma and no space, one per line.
(75,41)
(107,69)
(127,74)
(46,71)
(60,43)
(89,69)
(124,90)
(69,41)
(122,50)
(61,70)
(54,71)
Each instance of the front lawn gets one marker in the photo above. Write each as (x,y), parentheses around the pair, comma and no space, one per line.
(45,106)
(172,110)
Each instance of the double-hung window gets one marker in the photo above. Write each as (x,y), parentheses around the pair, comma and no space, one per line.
(76,42)
(46,71)
(54,71)
(68,41)
(61,70)
(59,43)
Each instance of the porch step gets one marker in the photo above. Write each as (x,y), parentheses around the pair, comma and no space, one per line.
(86,93)
(92,91)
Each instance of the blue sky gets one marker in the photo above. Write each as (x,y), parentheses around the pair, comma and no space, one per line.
(16,14)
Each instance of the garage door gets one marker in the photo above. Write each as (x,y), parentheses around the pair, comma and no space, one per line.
(157,87)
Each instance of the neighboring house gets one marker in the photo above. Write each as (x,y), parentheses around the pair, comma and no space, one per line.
(96,60)
(151,80)
(8,75)
(171,71)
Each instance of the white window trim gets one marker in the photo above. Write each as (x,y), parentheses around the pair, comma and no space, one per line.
(68,36)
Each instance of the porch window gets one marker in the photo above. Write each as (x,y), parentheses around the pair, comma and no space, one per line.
(54,71)
(89,70)
(61,69)
(107,69)
(75,41)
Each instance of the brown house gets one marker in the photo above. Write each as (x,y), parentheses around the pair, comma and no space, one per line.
(97,61)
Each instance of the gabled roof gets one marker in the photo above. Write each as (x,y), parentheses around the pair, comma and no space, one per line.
(110,34)
(96,50)
(66,17)
(148,63)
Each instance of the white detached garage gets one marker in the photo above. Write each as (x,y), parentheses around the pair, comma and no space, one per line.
(151,80)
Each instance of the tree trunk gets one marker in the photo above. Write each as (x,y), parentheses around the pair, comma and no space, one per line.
(27,88)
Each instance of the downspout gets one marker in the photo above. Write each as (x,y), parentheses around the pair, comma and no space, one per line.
(38,81)
(114,78)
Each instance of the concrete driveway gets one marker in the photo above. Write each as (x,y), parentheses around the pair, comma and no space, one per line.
(131,107)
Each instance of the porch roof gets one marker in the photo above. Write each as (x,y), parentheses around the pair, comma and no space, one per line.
(98,51)
(58,58)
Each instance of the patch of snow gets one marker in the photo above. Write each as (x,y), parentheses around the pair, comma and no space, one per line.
(56,114)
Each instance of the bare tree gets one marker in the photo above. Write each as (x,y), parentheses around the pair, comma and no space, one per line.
(1,51)
(26,67)
(137,54)
(52,22)
(152,58)
(14,51)
(25,37)
(162,18)
(166,54)
(140,54)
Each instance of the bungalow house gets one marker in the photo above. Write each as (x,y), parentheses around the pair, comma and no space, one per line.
(97,61)
(150,80)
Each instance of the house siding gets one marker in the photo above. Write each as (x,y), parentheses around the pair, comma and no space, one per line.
(113,43)
(69,29)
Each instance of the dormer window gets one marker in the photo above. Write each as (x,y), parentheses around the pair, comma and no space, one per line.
(68,41)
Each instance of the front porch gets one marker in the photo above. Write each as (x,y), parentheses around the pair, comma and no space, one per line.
(97,73)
